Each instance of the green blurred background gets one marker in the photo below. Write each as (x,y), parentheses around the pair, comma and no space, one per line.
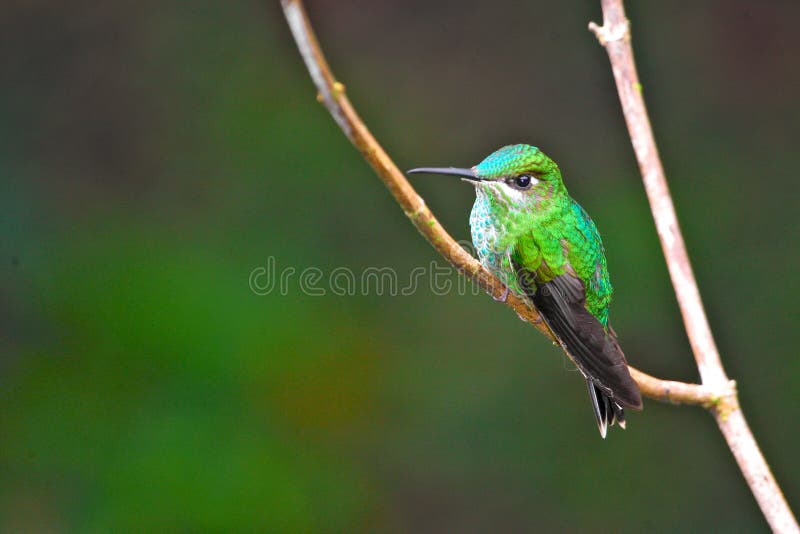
(155,153)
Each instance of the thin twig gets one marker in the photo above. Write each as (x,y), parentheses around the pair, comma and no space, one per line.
(614,35)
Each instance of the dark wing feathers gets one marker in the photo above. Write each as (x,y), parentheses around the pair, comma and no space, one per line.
(597,354)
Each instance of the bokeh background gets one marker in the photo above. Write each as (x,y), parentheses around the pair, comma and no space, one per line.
(155,153)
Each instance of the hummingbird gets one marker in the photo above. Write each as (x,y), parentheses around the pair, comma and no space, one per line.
(530,233)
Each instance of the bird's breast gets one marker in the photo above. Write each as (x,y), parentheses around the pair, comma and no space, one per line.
(487,235)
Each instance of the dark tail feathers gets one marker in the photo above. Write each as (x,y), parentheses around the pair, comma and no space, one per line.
(606,410)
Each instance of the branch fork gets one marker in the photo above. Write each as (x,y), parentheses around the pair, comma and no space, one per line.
(724,400)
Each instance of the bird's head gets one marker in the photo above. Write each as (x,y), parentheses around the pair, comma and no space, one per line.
(520,175)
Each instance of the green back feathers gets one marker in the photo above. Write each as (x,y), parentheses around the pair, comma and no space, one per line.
(567,243)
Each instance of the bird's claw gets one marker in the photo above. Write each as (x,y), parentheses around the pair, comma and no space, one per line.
(503,297)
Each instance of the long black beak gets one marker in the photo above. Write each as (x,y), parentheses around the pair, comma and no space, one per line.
(452,171)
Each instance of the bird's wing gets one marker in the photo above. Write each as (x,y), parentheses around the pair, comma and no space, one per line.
(562,304)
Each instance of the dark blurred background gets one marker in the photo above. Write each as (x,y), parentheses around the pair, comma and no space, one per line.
(155,153)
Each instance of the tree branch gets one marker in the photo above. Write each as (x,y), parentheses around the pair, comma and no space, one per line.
(614,35)
(717,392)
(332,95)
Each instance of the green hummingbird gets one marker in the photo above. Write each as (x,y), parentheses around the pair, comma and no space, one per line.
(529,232)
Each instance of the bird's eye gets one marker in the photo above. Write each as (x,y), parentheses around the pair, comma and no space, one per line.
(523,181)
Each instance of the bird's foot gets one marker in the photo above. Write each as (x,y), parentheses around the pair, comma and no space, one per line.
(503,297)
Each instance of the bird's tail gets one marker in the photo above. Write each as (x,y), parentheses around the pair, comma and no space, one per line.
(607,411)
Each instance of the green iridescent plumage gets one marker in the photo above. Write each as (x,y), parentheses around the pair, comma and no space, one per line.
(549,233)
(530,233)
